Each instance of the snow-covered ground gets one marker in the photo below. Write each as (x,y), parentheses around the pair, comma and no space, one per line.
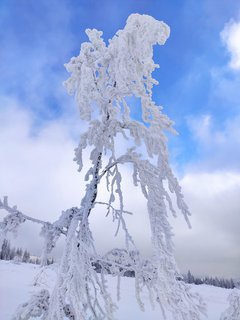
(17,283)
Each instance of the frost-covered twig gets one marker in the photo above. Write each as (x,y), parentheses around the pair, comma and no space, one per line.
(109,206)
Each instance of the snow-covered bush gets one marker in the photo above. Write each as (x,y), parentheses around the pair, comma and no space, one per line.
(103,77)
(233,311)
(36,307)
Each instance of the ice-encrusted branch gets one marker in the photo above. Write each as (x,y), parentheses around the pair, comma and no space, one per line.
(49,231)
(14,211)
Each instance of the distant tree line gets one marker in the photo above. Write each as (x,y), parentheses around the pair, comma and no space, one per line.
(18,254)
(212,281)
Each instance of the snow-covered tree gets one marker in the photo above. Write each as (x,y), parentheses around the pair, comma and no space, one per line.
(102,78)
(26,256)
(190,278)
(12,253)
(233,311)
(5,252)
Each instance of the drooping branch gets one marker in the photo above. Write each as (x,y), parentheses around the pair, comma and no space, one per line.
(14,211)
(110,166)
(49,231)
(16,217)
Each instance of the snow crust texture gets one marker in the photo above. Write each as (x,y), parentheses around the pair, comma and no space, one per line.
(15,290)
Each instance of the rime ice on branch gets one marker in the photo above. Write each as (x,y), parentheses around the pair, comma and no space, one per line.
(103,77)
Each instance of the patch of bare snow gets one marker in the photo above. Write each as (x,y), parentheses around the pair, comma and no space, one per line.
(18,281)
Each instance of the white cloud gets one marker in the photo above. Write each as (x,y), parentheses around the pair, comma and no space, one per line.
(36,168)
(225,93)
(231,38)
(212,246)
(38,174)
(217,145)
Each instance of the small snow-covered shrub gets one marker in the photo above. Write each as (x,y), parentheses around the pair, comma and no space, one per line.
(36,307)
(233,311)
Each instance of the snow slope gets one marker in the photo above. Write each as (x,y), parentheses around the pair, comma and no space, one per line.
(18,281)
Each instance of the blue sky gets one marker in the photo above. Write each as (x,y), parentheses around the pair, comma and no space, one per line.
(199,88)
(37,39)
